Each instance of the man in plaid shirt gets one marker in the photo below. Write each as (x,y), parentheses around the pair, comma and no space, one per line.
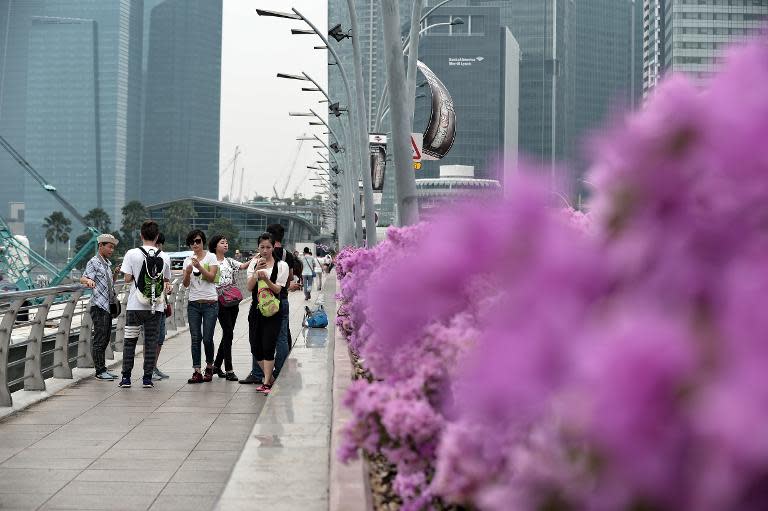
(98,276)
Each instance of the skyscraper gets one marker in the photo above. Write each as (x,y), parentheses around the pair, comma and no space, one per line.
(578,60)
(691,36)
(69,102)
(180,152)
(542,28)
(601,74)
(653,44)
(478,62)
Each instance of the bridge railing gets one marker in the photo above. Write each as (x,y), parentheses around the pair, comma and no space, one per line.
(46,332)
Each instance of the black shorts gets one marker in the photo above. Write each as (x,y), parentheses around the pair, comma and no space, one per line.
(262,333)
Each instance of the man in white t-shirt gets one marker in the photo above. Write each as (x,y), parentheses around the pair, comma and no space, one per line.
(141,267)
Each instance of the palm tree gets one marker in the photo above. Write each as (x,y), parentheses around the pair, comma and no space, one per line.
(177,220)
(99,219)
(134,214)
(57,228)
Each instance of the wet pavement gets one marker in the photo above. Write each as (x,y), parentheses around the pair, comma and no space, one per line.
(95,446)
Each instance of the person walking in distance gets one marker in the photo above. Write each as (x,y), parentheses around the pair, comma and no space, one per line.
(199,275)
(158,374)
(263,327)
(228,267)
(98,276)
(151,279)
(308,272)
(279,253)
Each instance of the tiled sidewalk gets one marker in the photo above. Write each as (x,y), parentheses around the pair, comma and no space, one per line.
(96,446)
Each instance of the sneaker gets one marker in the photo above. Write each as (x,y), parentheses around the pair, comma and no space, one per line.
(157,374)
(125,382)
(196,378)
(230,376)
(104,376)
(264,389)
(113,375)
(146,382)
(250,379)
(219,372)
(208,376)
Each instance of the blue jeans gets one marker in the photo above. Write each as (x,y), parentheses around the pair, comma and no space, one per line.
(281,353)
(162,330)
(308,279)
(202,323)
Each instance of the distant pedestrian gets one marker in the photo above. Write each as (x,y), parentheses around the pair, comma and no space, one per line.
(151,278)
(263,331)
(308,273)
(158,374)
(199,275)
(98,276)
(327,262)
(228,267)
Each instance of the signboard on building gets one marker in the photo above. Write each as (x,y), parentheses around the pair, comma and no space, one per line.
(378,154)
(417,143)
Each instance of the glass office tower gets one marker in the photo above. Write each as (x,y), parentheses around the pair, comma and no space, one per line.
(180,156)
(697,32)
(691,36)
(91,130)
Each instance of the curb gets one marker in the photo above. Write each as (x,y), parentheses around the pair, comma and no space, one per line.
(348,489)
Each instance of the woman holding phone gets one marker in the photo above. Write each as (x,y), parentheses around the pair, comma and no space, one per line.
(199,274)
(262,330)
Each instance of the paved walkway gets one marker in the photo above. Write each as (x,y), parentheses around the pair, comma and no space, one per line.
(95,446)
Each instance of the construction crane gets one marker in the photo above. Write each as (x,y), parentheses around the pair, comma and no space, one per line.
(16,258)
(233,164)
(292,167)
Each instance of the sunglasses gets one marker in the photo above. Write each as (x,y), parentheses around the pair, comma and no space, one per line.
(196,241)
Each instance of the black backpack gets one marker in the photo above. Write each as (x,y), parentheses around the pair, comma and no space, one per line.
(150,283)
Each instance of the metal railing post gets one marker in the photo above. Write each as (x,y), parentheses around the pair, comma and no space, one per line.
(6,327)
(120,328)
(61,368)
(174,324)
(181,306)
(84,358)
(33,367)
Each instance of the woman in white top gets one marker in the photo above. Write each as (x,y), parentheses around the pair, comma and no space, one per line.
(199,274)
(228,267)
(263,331)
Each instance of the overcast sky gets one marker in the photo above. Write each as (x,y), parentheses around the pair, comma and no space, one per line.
(255,103)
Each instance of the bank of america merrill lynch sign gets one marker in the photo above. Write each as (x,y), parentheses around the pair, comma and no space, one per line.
(464,61)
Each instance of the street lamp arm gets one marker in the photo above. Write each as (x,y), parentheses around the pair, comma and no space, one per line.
(350,98)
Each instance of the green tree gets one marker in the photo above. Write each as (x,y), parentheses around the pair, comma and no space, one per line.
(134,214)
(57,228)
(177,221)
(99,219)
(226,228)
